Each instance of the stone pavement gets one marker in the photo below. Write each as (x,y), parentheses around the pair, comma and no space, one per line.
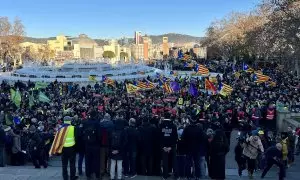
(53,172)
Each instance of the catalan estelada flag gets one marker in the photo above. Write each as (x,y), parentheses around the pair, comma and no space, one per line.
(131,88)
(59,141)
(108,81)
(202,70)
(247,68)
(260,78)
(167,88)
(209,86)
(225,89)
(144,85)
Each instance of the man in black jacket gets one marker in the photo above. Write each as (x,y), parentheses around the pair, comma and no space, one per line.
(273,155)
(146,132)
(195,142)
(131,149)
(168,139)
(91,137)
(36,148)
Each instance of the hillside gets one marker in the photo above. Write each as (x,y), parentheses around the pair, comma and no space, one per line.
(175,38)
(156,39)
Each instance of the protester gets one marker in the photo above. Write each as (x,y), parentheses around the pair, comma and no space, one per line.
(92,136)
(252,148)
(217,154)
(273,155)
(117,148)
(195,142)
(131,149)
(36,148)
(168,142)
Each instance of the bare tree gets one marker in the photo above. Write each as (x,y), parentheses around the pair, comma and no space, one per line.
(11,35)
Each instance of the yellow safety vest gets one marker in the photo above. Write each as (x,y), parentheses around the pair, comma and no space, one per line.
(180,101)
(70,138)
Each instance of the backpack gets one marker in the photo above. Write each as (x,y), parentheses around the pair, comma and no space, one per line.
(116,139)
(90,134)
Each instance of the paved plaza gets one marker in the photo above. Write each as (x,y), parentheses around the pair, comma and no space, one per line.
(53,172)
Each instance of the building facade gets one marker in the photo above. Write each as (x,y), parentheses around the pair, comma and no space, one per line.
(138,37)
(165,46)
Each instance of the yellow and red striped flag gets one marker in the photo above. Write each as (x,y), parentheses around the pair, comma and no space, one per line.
(59,141)
(145,85)
(202,70)
(108,81)
(260,78)
(167,88)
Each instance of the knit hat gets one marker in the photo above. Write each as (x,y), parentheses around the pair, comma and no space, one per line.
(67,120)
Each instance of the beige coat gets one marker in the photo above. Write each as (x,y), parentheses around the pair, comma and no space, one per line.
(252,147)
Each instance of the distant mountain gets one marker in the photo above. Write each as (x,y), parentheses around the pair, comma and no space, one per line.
(175,38)
(156,39)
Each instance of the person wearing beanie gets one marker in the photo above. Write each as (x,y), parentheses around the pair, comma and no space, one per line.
(36,147)
(168,141)
(66,138)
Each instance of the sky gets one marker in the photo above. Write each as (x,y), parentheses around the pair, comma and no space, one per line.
(119,18)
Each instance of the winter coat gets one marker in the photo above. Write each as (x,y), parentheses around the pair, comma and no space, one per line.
(195,140)
(16,144)
(217,156)
(147,134)
(117,141)
(252,148)
(132,139)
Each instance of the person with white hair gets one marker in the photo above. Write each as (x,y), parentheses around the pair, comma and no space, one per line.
(273,155)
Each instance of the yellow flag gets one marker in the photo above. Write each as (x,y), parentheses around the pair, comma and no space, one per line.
(93,78)
(131,88)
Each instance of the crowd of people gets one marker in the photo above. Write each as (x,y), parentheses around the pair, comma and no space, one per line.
(152,133)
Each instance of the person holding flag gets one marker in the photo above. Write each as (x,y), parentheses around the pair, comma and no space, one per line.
(64,143)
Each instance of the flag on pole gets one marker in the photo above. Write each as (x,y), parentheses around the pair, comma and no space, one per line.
(15,97)
(260,78)
(202,70)
(43,97)
(175,86)
(41,85)
(193,90)
(168,88)
(92,78)
(108,81)
(225,89)
(59,141)
(145,85)
(131,88)
(209,86)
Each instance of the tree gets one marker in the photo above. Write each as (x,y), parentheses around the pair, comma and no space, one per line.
(11,35)
(109,54)
(123,55)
